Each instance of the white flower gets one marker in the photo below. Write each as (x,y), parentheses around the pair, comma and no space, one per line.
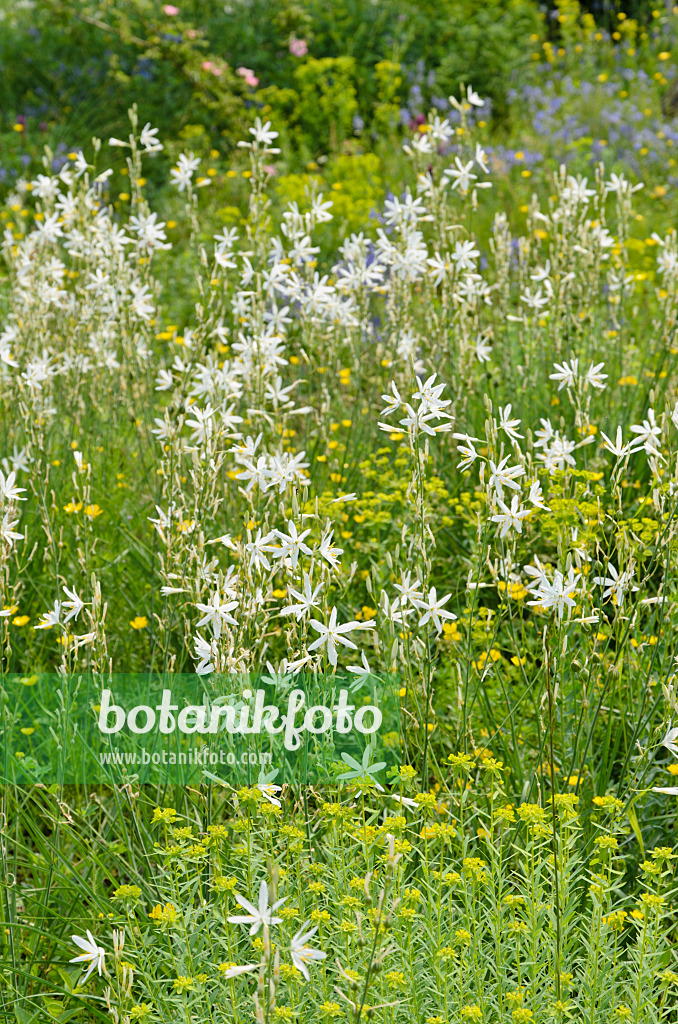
(433,609)
(576,190)
(508,425)
(408,589)
(465,255)
(502,476)
(7,531)
(263,137)
(439,268)
(461,175)
(670,741)
(74,604)
(328,552)
(510,518)
(429,393)
(481,158)
(142,303)
(80,165)
(149,231)
(92,952)
(182,174)
(536,496)
(483,350)
(50,619)
(306,600)
(647,431)
(616,584)
(164,381)
(235,971)
(621,186)
(594,377)
(395,611)
(556,595)
(292,545)
(418,421)
(566,374)
(395,402)
(205,653)
(406,801)
(148,139)
(537,572)
(260,915)
(257,550)
(536,300)
(467,450)
(217,613)
(617,447)
(332,634)
(301,952)
(268,790)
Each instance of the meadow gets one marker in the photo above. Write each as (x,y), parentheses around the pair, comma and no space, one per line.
(370,384)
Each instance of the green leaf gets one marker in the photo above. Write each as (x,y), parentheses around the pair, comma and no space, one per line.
(24,1016)
(351,762)
(633,820)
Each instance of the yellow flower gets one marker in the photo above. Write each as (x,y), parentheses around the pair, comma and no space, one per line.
(165,915)
(21,620)
(139,622)
(93,511)
(531,812)
(165,814)
(73,507)
(127,892)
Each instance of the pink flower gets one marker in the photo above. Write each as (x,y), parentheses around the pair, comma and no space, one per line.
(170,10)
(208,65)
(270,169)
(298,47)
(249,76)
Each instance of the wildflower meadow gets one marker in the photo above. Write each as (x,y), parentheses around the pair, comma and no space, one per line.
(338,514)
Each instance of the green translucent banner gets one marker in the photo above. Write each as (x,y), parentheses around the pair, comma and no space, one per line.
(240,729)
